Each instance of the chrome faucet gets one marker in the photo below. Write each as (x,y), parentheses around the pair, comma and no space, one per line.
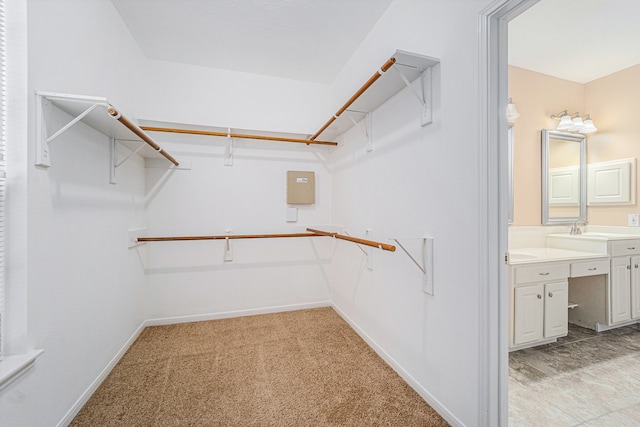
(575,228)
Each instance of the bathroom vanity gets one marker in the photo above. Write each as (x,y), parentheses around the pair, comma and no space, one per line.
(590,279)
(540,294)
(624,274)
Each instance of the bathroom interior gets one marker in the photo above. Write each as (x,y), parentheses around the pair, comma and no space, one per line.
(574,233)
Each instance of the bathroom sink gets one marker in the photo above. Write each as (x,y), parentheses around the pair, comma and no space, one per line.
(615,235)
(604,236)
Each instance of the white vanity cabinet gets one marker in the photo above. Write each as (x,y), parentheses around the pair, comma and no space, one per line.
(624,281)
(539,296)
(540,312)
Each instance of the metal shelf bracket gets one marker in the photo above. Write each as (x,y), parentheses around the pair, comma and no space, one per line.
(424,96)
(115,163)
(228,151)
(425,264)
(368,252)
(228,249)
(367,129)
(43,105)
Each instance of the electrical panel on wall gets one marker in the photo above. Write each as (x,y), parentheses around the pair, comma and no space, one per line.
(301,187)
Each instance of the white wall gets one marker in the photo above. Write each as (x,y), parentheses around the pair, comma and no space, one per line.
(189,94)
(84,287)
(418,181)
(191,279)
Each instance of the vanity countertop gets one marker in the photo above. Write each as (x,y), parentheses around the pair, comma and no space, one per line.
(595,236)
(598,242)
(535,255)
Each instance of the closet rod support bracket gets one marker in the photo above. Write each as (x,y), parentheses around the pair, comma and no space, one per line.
(425,264)
(367,128)
(424,95)
(115,163)
(228,151)
(228,249)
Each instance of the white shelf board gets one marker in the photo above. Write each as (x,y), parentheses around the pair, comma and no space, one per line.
(388,84)
(99,119)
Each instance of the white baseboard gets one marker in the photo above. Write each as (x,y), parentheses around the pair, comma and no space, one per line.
(413,383)
(70,415)
(235,313)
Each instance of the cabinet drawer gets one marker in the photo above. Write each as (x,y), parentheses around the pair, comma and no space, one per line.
(624,247)
(541,273)
(589,268)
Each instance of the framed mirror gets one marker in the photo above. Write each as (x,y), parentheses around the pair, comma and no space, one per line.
(564,177)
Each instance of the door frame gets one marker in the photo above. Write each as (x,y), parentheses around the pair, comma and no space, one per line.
(494,210)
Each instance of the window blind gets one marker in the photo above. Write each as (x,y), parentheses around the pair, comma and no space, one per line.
(3,134)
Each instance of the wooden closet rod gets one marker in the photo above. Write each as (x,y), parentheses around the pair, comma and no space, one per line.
(135,129)
(356,95)
(236,135)
(231,236)
(379,245)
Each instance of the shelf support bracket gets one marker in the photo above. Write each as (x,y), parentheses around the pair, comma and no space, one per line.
(368,234)
(115,164)
(43,141)
(228,151)
(228,249)
(425,264)
(368,252)
(425,98)
(367,129)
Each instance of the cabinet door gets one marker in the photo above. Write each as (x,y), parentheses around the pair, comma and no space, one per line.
(620,289)
(556,311)
(528,313)
(635,287)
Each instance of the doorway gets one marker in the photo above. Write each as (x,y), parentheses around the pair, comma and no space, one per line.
(496,80)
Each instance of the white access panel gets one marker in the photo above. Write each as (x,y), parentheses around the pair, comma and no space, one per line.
(611,183)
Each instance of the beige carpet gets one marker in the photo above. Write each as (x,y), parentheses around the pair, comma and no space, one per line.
(301,368)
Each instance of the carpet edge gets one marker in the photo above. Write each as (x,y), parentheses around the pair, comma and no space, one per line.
(406,376)
(86,395)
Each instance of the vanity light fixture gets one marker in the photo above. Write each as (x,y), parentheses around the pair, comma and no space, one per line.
(589,127)
(574,122)
(578,124)
(565,120)
(512,113)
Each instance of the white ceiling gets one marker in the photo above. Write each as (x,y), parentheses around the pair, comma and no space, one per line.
(577,40)
(307,40)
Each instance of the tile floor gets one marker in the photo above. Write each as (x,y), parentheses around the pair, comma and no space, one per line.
(584,379)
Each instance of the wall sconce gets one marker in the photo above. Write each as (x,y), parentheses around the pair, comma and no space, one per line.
(574,122)
(512,113)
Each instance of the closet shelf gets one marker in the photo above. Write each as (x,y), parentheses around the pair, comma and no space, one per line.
(397,72)
(99,114)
